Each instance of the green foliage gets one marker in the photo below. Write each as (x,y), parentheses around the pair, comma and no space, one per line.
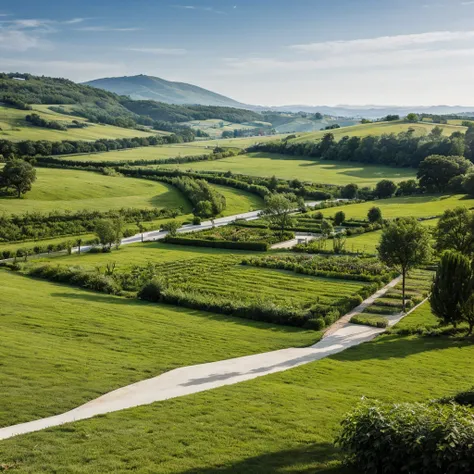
(375,214)
(327,228)
(278,210)
(385,189)
(370,320)
(151,291)
(19,175)
(452,292)
(339,218)
(436,171)
(349,191)
(455,231)
(37,121)
(172,227)
(417,438)
(109,232)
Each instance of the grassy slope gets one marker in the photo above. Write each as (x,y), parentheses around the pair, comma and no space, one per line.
(15,128)
(330,172)
(239,201)
(378,129)
(76,190)
(62,346)
(236,142)
(142,153)
(414,206)
(276,424)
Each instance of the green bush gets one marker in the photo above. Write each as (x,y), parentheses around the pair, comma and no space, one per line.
(368,320)
(317,324)
(151,291)
(409,438)
(222,244)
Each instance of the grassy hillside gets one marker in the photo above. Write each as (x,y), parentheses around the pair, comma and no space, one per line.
(413,206)
(143,153)
(282,166)
(379,128)
(62,347)
(76,190)
(283,422)
(14,127)
(215,127)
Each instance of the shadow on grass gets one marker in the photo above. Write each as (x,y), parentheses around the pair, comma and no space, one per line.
(398,347)
(322,458)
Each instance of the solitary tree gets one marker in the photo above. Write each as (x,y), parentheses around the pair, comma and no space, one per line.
(141,228)
(404,244)
(172,227)
(105,231)
(412,118)
(451,297)
(19,175)
(326,228)
(374,215)
(339,217)
(455,231)
(278,211)
(385,189)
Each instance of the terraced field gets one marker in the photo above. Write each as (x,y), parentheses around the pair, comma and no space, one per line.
(13,127)
(57,189)
(286,167)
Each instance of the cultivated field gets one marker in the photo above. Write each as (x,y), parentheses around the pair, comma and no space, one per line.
(284,422)
(215,127)
(236,142)
(282,166)
(379,128)
(14,127)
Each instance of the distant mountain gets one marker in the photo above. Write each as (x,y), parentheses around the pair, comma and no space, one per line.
(153,88)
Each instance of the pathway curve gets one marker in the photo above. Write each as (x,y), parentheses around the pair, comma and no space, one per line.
(198,378)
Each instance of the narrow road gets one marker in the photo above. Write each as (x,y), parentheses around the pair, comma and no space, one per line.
(199,378)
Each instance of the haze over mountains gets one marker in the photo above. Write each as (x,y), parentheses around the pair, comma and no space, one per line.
(143,87)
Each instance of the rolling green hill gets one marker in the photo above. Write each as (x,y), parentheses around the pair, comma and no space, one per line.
(144,87)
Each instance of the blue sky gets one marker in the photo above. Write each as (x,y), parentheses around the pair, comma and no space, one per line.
(269,52)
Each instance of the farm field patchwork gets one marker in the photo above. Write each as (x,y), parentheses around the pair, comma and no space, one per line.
(62,346)
(14,127)
(333,172)
(57,189)
(236,142)
(413,206)
(283,422)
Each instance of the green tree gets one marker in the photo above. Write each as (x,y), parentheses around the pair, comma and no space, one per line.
(272,185)
(404,244)
(385,189)
(349,191)
(436,171)
(455,231)
(451,297)
(413,118)
(106,232)
(407,188)
(172,227)
(374,215)
(327,228)
(19,175)
(278,210)
(339,218)
(468,184)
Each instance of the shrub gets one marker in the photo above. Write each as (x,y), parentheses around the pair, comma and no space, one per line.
(196,220)
(151,291)
(317,324)
(411,438)
(222,244)
(367,320)
(339,218)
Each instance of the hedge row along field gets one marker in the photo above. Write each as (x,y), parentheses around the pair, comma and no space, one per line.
(217,283)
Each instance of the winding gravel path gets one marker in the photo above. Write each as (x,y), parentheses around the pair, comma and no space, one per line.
(198,378)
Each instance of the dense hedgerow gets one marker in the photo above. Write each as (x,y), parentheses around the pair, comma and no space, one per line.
(347,268)
(368,320)
(411,438)
(218,244)
(37,225)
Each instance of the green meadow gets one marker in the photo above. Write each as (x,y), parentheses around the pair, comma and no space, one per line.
(279,423)
(413,206)
(379,128)
(282,166)
(13,127)
(62,346)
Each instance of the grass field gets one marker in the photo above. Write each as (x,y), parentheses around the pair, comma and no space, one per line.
(72,190)
(236,142)
(238,201)
(142,153)
(215,127)
(280,423)
(413,206)
(62,346)
(334,172)
(365,130)
(14,127)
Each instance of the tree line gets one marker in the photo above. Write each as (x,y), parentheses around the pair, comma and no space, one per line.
(405,149)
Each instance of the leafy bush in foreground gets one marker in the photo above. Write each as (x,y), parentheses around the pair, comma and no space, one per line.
(409,438)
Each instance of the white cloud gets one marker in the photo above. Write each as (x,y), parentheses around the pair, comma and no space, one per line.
(30,23)
(18,41)
(384,42)
(469,2)
(205,9)
(106,28)
(159,51)
(74,21)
